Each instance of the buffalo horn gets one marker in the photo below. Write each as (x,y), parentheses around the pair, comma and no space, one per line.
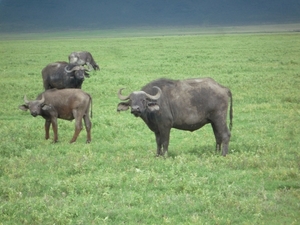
(73,69)
(155,97)
(121,97)
(25,99)
(42,100)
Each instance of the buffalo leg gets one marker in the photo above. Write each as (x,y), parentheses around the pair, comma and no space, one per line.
(162,141)
(218,146)
(222,136)
(158,144)
(54,127)
(78,125)
(47,128)
(88,126)
(218,139)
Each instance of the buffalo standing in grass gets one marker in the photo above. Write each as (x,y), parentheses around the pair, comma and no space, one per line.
(83,58)
(63,75)
(182,104)
(67,104)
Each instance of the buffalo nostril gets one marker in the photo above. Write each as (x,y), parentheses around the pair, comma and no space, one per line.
(34,114)
(135,108)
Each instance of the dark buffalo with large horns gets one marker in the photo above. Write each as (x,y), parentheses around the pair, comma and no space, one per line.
(67,104)
(83,58)
(63,75)
(182,104)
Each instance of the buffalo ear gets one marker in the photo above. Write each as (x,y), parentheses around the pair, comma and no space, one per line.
(23,107)
(46,107)
(153,106)
(123,106)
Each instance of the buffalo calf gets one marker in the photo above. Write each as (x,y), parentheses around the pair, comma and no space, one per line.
(67,104)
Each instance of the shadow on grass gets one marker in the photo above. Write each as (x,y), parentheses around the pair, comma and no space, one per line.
(210,150)
(198,151)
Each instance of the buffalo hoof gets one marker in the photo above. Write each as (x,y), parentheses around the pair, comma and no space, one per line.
(162,155)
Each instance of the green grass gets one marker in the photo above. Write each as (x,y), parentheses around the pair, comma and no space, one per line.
(116,179)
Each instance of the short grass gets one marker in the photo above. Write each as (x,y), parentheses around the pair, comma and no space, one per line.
(117,179)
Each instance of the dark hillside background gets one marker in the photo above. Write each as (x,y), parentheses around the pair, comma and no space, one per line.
(35,15)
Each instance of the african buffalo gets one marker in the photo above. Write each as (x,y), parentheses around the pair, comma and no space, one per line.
(67,104)
(83,58)
(63,75)
(182,104)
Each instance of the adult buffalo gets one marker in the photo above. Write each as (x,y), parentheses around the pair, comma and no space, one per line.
(83,58)
(67,104)
(182,104)
(63,75)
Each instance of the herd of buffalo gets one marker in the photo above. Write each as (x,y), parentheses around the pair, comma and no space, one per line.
(162,104)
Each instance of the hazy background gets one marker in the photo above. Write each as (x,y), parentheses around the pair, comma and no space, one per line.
(45,15)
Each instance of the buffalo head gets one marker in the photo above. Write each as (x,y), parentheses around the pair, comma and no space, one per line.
(34,106)
(79,72)
(139,101)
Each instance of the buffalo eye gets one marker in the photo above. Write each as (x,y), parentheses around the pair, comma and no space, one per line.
(144,102)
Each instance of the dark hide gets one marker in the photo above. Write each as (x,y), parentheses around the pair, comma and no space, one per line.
(185,105)
(67,104)
(55,75)
(83,58)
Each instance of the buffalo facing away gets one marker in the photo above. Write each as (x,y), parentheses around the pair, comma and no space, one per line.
(83,58)
(67,104)
(182,104)
(63,75)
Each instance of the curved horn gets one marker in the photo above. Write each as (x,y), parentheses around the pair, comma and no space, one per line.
(122,97)
(25,99)
(155,97)
(74,68)
(42,100)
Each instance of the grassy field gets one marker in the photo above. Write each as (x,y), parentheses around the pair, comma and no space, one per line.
(116,179)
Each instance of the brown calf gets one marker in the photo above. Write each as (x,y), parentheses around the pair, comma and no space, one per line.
(67,104)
